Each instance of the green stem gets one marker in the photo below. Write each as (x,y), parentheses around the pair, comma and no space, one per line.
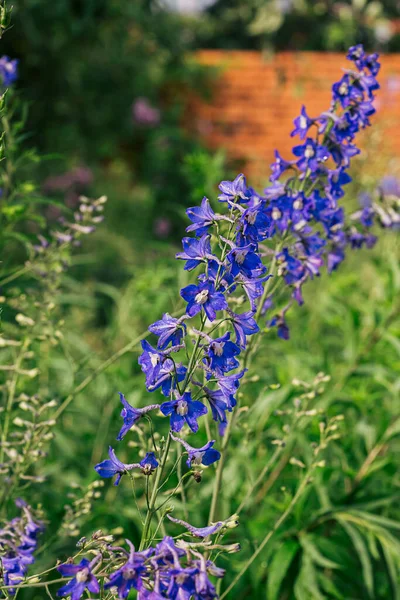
(154,494)
(232,416)
(11,397)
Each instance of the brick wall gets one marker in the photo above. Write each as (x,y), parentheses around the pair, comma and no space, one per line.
(256,98)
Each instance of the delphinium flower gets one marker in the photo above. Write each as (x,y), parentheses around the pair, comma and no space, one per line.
(131,415)
(82,579)
(18,542)
(206,455)
(8,71)
(129,576)
(114,467)
(262,249)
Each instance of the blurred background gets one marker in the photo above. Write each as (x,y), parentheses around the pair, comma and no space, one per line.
(153,103)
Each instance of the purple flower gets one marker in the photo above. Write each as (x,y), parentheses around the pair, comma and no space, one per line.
(311,155)
(204,588)
(113,466)
(390,186)
(8,70)
(337,178)
(234,191)
(253,287)
(184,410)
(221,354)
(182,583)
(280,322)
(148,464)
(82,579)
(254,225)
(219,404)
(131,415)
(335,257)
(345,92)
(357,55)
(200,532)
(279,166)
(206,455)
(168,330)
(246,261)
(372,64)
(243,325)
(130,575)
(144,114)
(160,370)
(202,217)
(203,296)
(196,251)
(302,124)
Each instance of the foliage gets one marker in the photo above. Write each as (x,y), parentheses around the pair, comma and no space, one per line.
(310,467)
(300,24)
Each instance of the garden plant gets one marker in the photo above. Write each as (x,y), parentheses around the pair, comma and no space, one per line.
(248,265)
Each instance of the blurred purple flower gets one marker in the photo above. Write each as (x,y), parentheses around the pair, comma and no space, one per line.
(145,114)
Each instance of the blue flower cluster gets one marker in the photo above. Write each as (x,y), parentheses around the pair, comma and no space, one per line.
(8,71)
(18,542)
(300,212)
(164,571)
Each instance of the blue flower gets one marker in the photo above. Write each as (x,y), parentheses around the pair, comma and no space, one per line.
(311,155)
(283,329)
(337,178)
(371,63)
(221,354)
(82,579)
(196,251)
(302,124)
(342,153)
(234,191)
(206,455)
(279,166)
(289,266)
(148,464)
(8,70)
(199,532)
(203,296)
(246,261)
(130,575)
(182,583)
(168,330)
(219,405)
(202,217)
(184,410)
(254,225)
(345,128)
(113,466)
(357,55)
(131,415)
(253,287)
(229,384)
(160,370)
(243,325)
(345,92)
(204,588)
(225,278)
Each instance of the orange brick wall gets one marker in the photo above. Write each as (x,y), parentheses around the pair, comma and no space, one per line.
(256,98)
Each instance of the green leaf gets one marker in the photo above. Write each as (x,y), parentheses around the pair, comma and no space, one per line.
(279,566)
(393,572)
(306,587)
(315,555)
(329,587)
(363,555)
(377,519)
